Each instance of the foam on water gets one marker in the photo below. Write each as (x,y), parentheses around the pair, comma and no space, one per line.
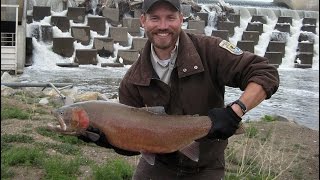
(238,31)
(260,48)
(45,59)
(291,45)
(297,97)
(265,37)
(268,12)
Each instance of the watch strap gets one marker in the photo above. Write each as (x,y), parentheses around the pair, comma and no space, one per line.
(241,104)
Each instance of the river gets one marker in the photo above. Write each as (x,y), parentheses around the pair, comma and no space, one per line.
(297,98)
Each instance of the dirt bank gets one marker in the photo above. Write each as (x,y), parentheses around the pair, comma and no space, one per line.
(285,149)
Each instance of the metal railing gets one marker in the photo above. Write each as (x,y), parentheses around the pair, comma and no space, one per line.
(8,39)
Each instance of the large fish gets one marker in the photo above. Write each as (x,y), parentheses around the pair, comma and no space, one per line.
(146,130)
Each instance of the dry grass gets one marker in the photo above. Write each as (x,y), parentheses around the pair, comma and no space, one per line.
(269,150)
(270,154)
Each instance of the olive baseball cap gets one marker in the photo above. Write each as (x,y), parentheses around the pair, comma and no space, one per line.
(148,3)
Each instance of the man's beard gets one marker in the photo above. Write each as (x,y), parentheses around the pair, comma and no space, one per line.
(161,45)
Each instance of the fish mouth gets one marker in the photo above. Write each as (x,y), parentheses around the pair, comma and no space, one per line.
(61,127)
(57,128)
(62,124)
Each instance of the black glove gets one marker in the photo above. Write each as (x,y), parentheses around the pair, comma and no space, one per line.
(96,136)
(225,122)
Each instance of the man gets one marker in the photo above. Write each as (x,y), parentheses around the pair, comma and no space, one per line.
(187,74)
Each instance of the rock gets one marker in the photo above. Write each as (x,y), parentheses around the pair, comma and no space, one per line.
(194,6)
(6,77)
(44,101)
(284,119)
(87,96)
(66,92)
(280,118)
(102,97)
(7,91)
(51,93)
(114,96)
(72,92)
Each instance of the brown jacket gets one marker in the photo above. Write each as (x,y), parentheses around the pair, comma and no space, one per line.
(203,69)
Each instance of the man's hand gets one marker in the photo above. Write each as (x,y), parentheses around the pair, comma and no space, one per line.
(96,136)
(225,122)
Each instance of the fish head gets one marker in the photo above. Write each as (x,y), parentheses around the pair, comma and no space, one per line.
(72,120)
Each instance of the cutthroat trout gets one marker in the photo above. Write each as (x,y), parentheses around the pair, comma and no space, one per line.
(144,130)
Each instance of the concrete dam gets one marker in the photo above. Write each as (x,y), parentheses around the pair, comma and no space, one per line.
(82,35)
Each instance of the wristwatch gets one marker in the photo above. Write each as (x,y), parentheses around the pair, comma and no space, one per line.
(240,103)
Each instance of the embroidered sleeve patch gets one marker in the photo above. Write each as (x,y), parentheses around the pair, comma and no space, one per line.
(230,47)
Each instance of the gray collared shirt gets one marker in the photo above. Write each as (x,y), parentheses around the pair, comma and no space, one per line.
(164,67)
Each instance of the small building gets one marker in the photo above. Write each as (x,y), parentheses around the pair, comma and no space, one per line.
(13,33)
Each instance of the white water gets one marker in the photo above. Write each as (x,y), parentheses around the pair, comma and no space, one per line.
(268,28)
(296,99)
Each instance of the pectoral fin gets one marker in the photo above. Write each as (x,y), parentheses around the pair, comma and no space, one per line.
(150,158)
(192,151)
(91,135)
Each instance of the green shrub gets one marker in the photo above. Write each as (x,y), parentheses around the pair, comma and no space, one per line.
(5,146)
(267,136)
(20,138)
(13,112)
(57,167)
(59,137)
(22,156)
(116,169)
(251,132)
(64,148)
(6,173)
(268,118)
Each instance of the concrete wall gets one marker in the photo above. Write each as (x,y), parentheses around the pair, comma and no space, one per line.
(9,14)
(311,5)
(21,38)
(56,5)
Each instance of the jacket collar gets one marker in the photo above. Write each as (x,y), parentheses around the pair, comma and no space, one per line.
(188,62)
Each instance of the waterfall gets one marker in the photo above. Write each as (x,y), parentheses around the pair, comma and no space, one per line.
(243,11)
(57,5)
(268,12)
(212,19)
(265,37)
(288,12)
(245,18)
(291,45)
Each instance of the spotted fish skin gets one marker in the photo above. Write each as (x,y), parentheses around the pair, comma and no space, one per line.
(134,129)
(149,131)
